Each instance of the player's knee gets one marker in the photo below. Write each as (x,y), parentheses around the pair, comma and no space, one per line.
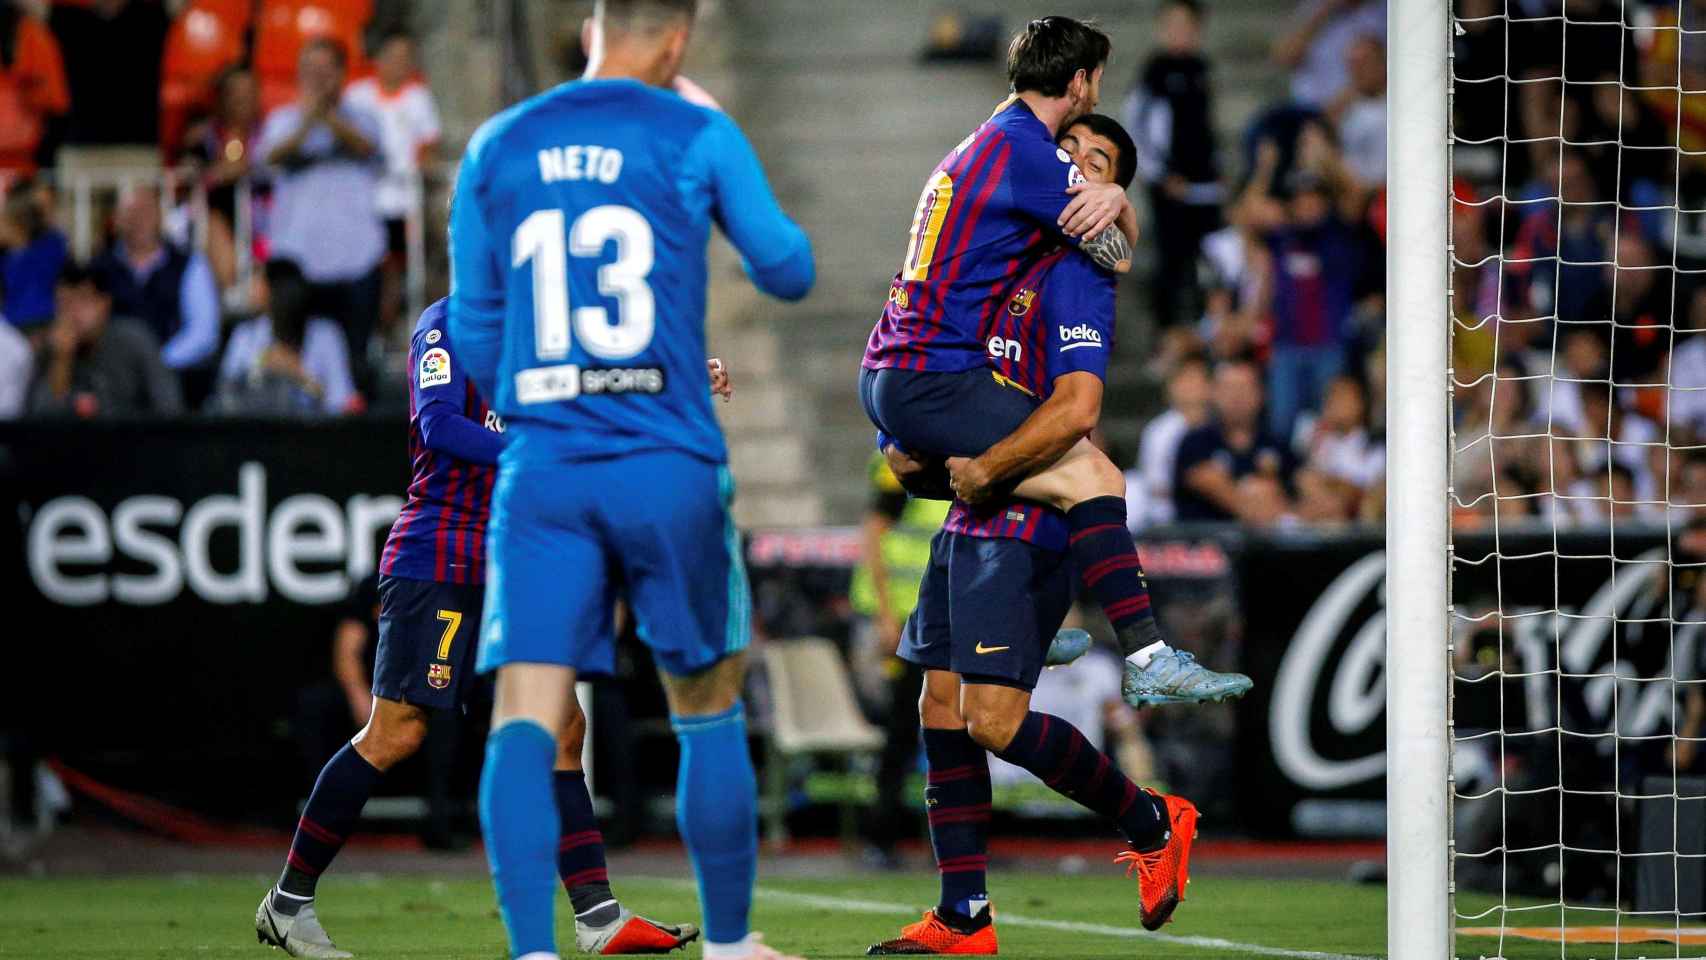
(570,741)
(991,726)
(1094,476)
(388,742)
(938,714)
(710,691)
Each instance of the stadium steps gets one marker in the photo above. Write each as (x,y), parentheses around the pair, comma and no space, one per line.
(847,121)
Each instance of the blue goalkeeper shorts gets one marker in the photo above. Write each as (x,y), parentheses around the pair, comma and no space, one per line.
(568,538)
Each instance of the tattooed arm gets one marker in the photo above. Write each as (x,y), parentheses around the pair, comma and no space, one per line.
(1106,240)
(1109,249)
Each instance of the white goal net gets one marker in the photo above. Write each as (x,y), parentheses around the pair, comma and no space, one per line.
(1578,477)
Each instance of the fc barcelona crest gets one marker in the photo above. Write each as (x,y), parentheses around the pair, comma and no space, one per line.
(1021,302)
(438,675)
(898,297)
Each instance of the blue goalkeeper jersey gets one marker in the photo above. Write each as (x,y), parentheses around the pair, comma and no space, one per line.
(578,236)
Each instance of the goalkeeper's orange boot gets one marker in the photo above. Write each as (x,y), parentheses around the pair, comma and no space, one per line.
(1163,873)
(933,936)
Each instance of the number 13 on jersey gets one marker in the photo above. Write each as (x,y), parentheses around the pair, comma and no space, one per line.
(542,243)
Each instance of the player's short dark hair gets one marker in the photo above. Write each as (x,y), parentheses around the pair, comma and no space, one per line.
(1192,7)
(79,273)
(1102,125)
(287,301)
(331,45)
(644,15)
(1048,53)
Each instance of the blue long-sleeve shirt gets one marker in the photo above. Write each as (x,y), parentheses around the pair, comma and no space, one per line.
(578,240)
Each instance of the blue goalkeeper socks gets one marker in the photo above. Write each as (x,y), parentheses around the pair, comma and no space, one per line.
(716,810)
(518,815)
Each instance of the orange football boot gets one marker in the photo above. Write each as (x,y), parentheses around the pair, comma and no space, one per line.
(931,936)
(634,934)
(1162,874)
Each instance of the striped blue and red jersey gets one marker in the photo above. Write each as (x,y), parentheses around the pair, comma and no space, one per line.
(1058,319)
(987,212)
(454,442)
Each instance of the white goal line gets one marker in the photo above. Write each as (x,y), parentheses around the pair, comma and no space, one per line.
(884,908)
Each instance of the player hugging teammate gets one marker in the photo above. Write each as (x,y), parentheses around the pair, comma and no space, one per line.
(984,375)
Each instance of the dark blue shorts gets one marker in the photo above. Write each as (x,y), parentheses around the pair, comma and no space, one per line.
(988,609)
(427,635)
(943,414)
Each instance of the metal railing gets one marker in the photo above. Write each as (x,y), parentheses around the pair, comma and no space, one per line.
(86,195)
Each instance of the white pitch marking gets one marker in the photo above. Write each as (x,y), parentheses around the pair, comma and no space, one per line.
(1065,926)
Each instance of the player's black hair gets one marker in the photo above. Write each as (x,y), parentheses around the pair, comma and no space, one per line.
(20,207)
(1102,125)
(331,45)
(1193,7)
(644,14)
(1048,53)
(77,273)
(287,302)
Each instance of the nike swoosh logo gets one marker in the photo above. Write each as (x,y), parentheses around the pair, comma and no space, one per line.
(980,648)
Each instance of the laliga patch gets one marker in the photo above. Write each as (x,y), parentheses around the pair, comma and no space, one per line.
(434,336)
(438,675)
(435,368)
(1074,176)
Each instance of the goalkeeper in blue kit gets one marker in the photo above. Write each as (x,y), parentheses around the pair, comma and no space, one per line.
(578,239)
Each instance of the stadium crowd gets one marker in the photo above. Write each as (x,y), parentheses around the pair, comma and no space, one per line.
(289,136)
(1574,289)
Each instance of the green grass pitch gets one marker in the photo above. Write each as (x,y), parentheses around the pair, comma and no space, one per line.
(1044,916)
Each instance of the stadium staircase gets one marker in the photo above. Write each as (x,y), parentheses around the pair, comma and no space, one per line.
(848,121)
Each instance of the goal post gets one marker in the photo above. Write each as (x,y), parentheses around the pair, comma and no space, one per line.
(1418,319)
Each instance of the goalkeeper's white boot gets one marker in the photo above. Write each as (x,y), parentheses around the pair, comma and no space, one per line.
(299,936)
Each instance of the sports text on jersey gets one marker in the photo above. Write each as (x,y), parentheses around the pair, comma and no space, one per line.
(580,162)
(570,381)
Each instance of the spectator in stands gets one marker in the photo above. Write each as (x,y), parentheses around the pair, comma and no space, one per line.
(1687,390)
(31,255)
(1583,366)
(113,50)
(285,362)
(1637,300)
(168,288)
(1360,111)
(409,131)
(324,216)
(17,360)
(93,364)
(1231,468)
(1631,442)
(1171,117)
(1314,50)
(32,91)
(1316,262)
(1554,264)
(1158,450)
(224,147)
(1343,463)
